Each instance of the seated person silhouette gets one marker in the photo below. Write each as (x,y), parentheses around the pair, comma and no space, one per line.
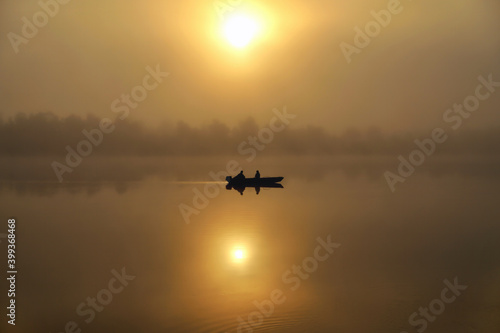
(240,177)
(257,177)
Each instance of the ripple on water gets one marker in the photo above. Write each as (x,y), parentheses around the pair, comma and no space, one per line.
(286,321)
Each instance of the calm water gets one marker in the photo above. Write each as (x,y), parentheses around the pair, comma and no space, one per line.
(391,254)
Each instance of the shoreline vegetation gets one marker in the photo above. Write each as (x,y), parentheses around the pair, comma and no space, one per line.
(44,134)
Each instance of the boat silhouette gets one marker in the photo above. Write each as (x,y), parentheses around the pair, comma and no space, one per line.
(241,183)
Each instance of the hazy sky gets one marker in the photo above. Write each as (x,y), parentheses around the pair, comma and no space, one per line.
(91,52)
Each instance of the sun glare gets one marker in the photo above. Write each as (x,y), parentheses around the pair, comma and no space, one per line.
(240,30)
(239,255)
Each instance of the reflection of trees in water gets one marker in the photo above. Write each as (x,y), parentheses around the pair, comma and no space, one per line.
(26,177)
(50,189)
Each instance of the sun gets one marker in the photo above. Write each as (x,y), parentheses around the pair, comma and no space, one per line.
(239,255)
(240,29)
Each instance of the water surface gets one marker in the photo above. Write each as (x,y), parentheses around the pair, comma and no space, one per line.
(211,274)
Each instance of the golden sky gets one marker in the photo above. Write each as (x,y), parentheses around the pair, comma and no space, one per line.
(91,52)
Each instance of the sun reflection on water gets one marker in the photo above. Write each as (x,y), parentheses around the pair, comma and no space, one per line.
(239,255)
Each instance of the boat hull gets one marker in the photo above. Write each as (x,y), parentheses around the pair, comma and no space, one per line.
(256,182)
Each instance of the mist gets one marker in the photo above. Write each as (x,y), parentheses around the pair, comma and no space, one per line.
(45,134)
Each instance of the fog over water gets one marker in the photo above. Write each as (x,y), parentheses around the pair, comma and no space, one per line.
(373,125)
(395,251)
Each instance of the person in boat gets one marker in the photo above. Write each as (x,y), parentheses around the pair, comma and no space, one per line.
(257,175)
(240,177)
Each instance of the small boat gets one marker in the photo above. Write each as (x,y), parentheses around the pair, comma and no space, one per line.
(254,182)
